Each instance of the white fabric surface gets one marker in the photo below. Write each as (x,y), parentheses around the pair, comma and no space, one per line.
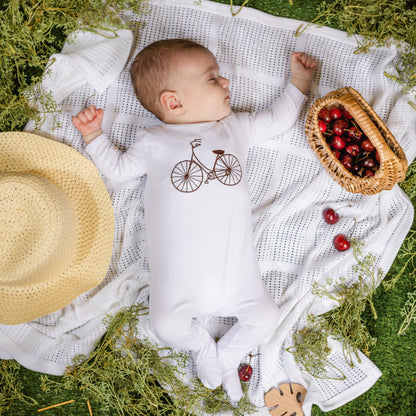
(199,231)
(289,189)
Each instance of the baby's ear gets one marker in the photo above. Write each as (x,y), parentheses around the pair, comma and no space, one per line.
(171,103)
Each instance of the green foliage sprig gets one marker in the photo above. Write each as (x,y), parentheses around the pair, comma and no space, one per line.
(128,376)
(405,261)
(311,350)
(409,184)
(30,32)
(344,323)
(378,23)
(11,387)
(408,311)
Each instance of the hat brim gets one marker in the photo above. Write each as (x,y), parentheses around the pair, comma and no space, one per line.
(80,180)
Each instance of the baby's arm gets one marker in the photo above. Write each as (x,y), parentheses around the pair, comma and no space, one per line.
(116,165)
(286,109)
(303,67)
(88,122)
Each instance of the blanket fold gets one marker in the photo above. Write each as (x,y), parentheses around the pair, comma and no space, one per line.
(96,59)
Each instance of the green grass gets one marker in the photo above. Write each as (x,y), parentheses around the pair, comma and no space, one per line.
(393,395)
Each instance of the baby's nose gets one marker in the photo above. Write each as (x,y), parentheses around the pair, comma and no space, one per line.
(225,82)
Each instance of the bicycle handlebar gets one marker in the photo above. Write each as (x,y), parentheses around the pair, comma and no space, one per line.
(196,143)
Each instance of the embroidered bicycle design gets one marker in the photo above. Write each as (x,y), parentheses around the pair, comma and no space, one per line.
(188,175)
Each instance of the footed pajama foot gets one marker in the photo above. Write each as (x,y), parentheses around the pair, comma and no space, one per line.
(231,384)
(209,372)
(207,366)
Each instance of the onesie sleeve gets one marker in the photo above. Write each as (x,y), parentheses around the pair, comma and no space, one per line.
(116,165)
(279,118)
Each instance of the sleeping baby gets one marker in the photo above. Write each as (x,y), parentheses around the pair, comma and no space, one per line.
(197,203)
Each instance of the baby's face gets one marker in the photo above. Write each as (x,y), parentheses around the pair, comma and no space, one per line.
(204,93)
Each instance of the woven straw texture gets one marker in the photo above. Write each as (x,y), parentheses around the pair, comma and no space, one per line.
(393,162)
(289,188)
(57,226)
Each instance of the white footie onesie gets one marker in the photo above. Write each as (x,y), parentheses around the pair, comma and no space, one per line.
(199,229)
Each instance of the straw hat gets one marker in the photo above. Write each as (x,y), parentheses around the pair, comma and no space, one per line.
(56,226)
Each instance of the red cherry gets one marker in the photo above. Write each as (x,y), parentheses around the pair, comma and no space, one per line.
(377,156)
(367,146)
(245,372)
(354,133)
(341,242)
(357,169)
(325,115)
(322,126)
(330,216)
(368,173)
(336,113)
(368,162)
(353,149)
(337,153)
(347,160)
(338,142)
(339,127)
(346,114)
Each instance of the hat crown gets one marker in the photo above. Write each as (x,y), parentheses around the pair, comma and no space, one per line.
(38,229)
(56,225)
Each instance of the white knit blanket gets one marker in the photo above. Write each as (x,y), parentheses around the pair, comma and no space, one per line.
(289,186)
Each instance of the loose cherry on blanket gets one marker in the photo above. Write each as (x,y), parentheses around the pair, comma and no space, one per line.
(341,242)
(245,371)
(331,216)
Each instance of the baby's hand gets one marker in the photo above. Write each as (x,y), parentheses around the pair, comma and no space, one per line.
(303,67)
(88,122)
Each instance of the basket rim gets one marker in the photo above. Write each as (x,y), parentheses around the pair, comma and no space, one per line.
(393,162)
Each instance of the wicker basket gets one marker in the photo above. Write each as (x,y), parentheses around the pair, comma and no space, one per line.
(393,163)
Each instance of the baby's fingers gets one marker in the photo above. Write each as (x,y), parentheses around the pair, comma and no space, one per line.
(86,115)
(303,59)
(309,62)
(306,60)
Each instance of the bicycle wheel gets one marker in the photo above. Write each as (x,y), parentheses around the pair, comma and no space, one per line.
(228,170)
(186,176)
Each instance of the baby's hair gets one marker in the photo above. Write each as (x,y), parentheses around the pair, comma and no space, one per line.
(152,69)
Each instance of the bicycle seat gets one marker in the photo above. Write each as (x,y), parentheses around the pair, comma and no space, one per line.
(218,152)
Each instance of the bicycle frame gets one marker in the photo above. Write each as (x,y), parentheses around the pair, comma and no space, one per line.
(188,175)
(210,172)
(194,159)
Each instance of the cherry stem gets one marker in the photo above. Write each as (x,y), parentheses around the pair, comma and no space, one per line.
(251,356)
(355,224)
(345,206)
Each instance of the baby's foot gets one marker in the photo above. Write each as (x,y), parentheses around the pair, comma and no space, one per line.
(207,367)
(230,379)
(232,385)
(209,373)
